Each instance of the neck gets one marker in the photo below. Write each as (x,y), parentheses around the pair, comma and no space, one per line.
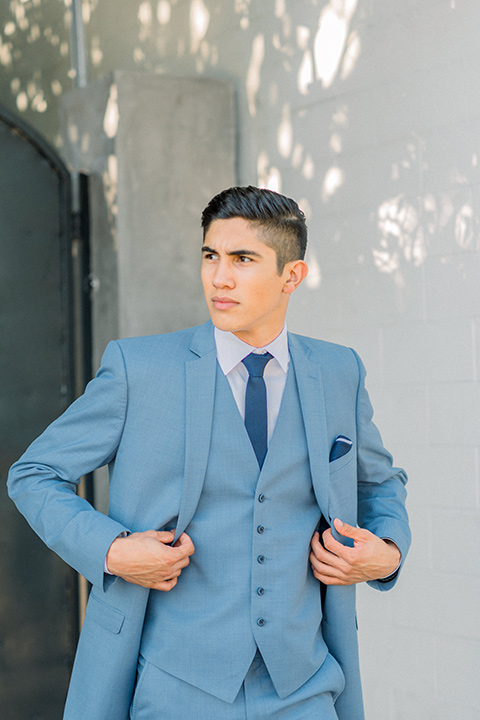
(260,339)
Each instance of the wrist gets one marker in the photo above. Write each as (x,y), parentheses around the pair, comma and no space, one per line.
(396,561)
(112,554)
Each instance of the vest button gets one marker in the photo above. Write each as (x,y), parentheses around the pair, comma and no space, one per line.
(261,622)
(261,497)
(261,559)
(260,591)
(260,529)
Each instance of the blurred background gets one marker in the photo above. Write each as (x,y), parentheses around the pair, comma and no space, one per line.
(118,122)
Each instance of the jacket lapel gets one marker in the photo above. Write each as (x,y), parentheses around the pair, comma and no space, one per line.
(199,399)
(310,388)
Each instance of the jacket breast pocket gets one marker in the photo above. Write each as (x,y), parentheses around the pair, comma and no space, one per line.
(341,462)
(105,615)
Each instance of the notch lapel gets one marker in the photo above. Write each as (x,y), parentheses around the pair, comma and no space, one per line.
(312,401)
(199,399)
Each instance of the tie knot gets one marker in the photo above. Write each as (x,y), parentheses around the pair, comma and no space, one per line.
(256,363)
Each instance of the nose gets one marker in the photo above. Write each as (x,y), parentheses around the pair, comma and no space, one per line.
(222,276)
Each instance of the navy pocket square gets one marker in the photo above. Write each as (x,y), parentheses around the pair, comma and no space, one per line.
(340,447)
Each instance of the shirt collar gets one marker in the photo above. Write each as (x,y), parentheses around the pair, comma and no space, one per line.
(231,350)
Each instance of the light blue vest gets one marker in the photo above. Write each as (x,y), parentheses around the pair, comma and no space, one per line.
(249,583)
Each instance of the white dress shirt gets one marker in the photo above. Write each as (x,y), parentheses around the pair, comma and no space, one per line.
(230,353)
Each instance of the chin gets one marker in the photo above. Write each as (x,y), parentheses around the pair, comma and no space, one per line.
(225,326)
(223,323)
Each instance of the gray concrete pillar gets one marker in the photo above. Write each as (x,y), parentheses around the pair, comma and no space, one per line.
(157,149)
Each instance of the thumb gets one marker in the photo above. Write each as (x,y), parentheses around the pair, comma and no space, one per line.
(165,536)
(185,542)
(347,530)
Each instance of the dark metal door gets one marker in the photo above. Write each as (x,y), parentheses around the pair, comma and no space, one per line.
(37,590)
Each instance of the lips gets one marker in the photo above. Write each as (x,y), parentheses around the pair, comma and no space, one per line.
(223,303)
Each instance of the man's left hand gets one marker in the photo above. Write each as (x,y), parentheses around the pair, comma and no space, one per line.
(369,559)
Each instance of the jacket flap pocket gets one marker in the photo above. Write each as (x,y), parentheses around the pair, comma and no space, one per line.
(105,615)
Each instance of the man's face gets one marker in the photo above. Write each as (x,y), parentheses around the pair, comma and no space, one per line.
(244,292)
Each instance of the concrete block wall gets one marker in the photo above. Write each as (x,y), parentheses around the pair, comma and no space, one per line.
(367,112)
(35,67)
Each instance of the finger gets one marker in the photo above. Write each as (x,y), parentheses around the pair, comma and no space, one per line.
(329,542)
(332,553)
(178,557)
(333,568)
(315,544)
(323,560)
(335,547)
(329,580)
(165,585)
(315,541)
(173,574)
(327,569)
(321,553)
(152,579)
(181,563)
(339,572)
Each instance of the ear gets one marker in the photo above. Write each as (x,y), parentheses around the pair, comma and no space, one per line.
(294,272)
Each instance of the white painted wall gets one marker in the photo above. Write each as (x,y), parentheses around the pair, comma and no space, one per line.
(368,113)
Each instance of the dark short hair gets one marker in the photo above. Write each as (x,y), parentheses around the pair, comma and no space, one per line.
(279,218)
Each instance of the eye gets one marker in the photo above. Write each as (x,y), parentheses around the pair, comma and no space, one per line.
(209,256)
(244,259)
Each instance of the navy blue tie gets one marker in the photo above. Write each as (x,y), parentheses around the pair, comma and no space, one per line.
(256,404)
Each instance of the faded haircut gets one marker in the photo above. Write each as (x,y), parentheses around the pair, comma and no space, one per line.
(281,222)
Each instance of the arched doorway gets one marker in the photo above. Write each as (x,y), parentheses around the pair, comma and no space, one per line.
(38,595)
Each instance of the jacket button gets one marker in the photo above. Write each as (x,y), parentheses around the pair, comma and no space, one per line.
(261,622)
(260,591)
(261,497)
(260,529)
(261,559)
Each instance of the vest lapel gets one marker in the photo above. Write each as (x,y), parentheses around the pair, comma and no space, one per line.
(312,402)
(199,398)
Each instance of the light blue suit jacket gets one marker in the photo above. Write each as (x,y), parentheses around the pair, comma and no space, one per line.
(151,404)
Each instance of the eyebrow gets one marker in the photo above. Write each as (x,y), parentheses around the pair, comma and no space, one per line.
(206,249)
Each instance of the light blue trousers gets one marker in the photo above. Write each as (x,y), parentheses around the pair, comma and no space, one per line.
(160,696)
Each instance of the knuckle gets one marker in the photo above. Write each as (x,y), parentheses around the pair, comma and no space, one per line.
(167,585)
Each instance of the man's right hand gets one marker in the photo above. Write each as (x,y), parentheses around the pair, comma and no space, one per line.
(148,559)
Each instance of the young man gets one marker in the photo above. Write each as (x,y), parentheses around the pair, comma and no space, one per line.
(245,440)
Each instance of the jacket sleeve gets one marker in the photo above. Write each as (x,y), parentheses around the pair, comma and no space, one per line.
(43,482)
(381,487)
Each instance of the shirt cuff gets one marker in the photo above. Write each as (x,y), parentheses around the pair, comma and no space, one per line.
(125,533)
